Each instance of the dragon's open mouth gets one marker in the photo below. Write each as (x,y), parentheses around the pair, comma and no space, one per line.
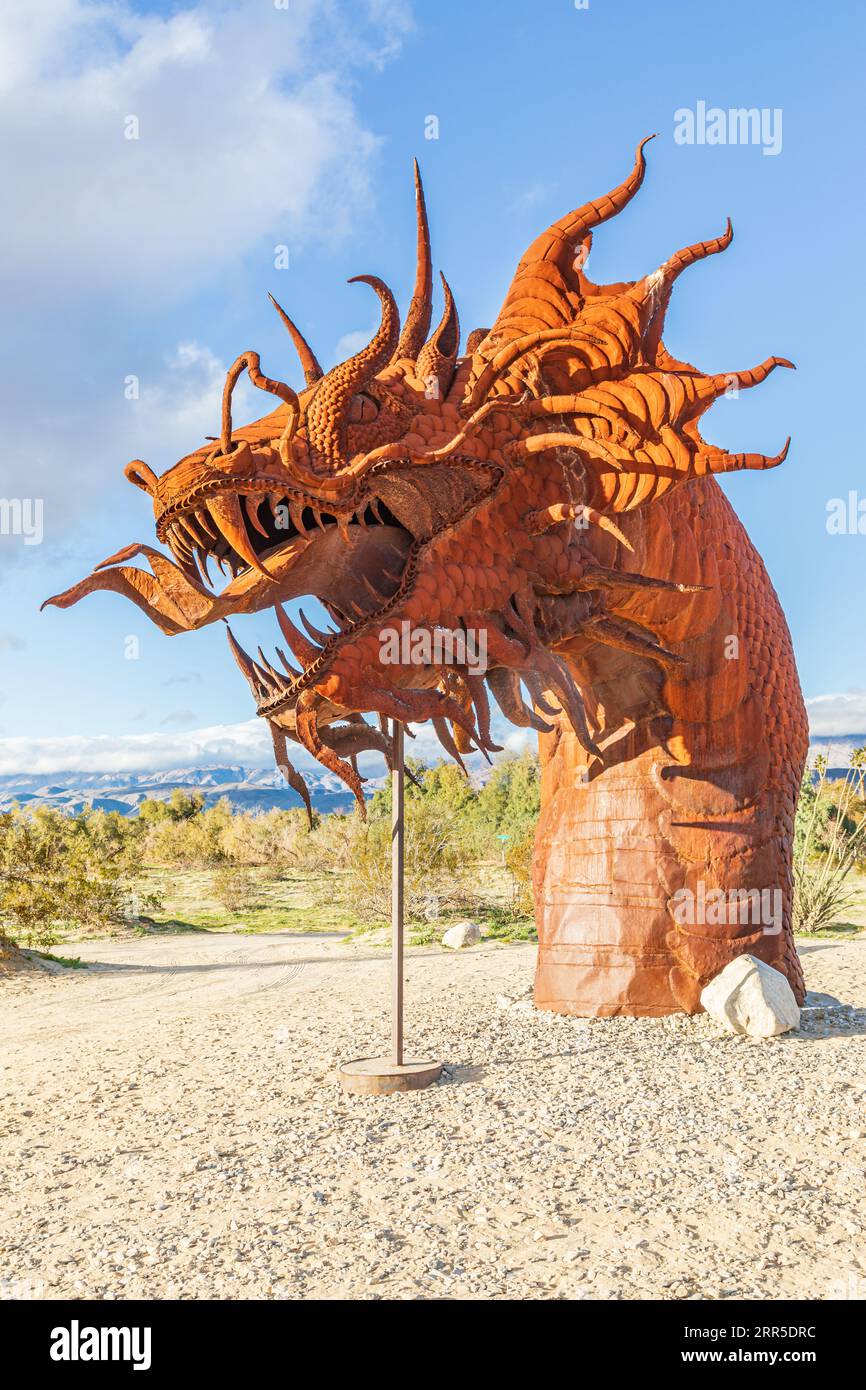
(287,546)
(242,530)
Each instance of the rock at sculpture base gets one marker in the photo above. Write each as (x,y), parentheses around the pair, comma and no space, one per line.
(752,998)
(461,935)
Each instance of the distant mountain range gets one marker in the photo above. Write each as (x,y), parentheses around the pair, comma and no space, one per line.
(247,788)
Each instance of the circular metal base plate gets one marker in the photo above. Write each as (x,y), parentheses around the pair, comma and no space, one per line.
(380,1076)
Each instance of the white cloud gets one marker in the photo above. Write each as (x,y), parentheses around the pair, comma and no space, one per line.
(245,128)
(248,744)
(249,137)
(837,714)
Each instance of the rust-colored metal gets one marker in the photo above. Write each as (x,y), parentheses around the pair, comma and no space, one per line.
(381,1076)
(549,491)
(398,832)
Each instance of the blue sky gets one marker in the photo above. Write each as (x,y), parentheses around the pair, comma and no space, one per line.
(262,126)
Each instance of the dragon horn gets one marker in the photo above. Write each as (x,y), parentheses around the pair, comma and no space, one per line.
(551,256)
(309,361)
(250,360)
(656,288)
(438,357)
(327,411)
(417,324)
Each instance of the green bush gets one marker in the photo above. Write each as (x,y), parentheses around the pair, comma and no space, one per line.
(58,871)
(829,840)
(234,888)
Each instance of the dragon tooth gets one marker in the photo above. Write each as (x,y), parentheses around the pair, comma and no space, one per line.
(251,507)
(287,664)
(296,513)
(206,523)
(202,557)
(300,646)
(317,636)
(264,679)
(245,662)
(226,512)
(269,668)
(371,589)
(374,508)
(318,518)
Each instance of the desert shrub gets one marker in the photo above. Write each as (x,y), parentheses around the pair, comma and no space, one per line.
(233,887)
(829,839)
(518,860)
(274,840)
(189,841)
(450,826)
(434,861)
(507,806)
(59,872)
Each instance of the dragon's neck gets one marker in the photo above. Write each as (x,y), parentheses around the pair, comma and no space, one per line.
(701,773)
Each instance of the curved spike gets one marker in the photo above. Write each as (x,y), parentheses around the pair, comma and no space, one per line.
(303,650)
(539,521)
(556,247)
(141,474)
(560,680)
(478,692)
(558,242)
(306,723)
(614,633)
(754,376)
(251,361)
(245,662)
(505,688)
(270,670)
(292,776)
(534,686)
(674,266)
(225,509)
(317,636)
(445,737)
(713,460)
(326,414)
(597,576)
(309,361)
(417,324)
(657,287)
(287,665)
(437,358)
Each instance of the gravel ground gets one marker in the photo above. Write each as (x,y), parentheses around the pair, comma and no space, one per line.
(170,1126)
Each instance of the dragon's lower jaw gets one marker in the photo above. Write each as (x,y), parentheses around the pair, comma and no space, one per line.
(353,572)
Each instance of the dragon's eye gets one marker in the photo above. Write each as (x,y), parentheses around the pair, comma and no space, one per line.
(362,409)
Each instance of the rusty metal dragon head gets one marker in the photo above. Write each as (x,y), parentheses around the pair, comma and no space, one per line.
(412,485)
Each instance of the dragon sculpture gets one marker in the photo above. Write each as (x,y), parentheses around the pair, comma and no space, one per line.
(549,489)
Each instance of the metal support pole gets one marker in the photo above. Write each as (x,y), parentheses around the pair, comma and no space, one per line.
(371,1076)
(397,845)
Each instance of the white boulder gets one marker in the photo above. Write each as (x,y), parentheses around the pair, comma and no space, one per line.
(462,934)
(752,998)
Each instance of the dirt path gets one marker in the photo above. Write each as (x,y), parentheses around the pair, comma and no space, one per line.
(170,1126)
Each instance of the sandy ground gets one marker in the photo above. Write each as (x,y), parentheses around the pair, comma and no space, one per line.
(170,1126)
